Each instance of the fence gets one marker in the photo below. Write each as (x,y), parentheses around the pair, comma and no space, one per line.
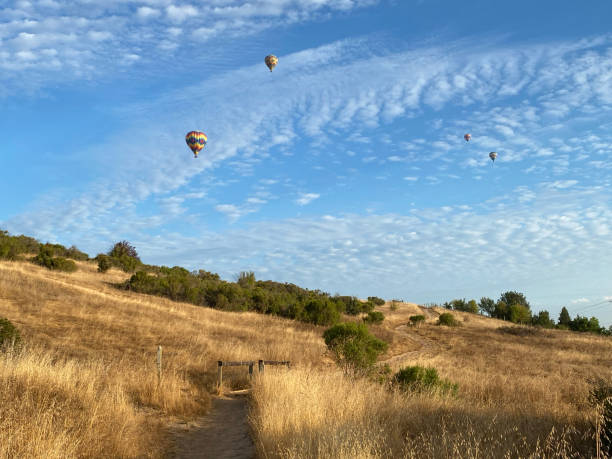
(250,363)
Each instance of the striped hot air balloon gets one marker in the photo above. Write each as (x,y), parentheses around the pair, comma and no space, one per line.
(196,141)
(493,156)
(271,61)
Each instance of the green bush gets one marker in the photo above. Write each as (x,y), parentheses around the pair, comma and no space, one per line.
(416,320)
(420,379)
(354,347)
(9,335)
(104,263)
(448,320)
(45,258)
(376,300)
(374,317)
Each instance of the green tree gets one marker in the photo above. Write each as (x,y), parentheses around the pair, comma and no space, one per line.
(564,317)
(520,314)
(512,297)
(542,319)
(501,311)
(354,347)
(487,306)
(246,279)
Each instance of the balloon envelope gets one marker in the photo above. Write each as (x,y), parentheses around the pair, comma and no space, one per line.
(493,155)
(467,137)
(196,141)
(271,61)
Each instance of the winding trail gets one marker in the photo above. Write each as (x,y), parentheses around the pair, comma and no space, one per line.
(427,346)
(221,434)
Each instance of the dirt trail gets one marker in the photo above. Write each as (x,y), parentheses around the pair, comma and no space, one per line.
(222,434)
(427,347)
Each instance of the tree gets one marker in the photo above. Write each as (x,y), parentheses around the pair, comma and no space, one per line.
(472,307)
(564,317)
(123,248)
(487,306)
(512,297)
(542,319)
(520,314)
(246,279)
(354,347)
(501,311)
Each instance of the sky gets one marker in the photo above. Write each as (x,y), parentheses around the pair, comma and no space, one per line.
(344,169)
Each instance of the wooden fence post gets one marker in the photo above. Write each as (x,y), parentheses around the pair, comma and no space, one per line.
(159,364)
(251,370)
(261,366)
(220,373)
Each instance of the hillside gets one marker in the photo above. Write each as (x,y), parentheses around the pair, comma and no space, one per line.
(86,383)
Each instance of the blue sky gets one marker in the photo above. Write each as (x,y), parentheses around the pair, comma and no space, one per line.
(345,169)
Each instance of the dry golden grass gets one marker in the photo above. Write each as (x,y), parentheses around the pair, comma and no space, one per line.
(90,362)
(519,396)
(86,384)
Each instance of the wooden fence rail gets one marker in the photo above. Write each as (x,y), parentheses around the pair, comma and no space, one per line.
(250,363)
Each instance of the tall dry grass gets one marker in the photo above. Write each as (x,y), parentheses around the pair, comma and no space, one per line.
(88,379)
(519,396)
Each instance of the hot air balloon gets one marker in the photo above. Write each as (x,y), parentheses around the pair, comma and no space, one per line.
(196,141)
(467,137)
(493,155)
(271,61)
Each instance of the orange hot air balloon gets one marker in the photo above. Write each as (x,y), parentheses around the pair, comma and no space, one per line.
(493,156)
(467,137)
(196,141)
(271,61)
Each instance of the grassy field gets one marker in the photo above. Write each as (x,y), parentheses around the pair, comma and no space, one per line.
(86,383)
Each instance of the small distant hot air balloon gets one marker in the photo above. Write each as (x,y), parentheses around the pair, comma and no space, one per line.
(196,141)
(271,61)
(467,137)
(493,155)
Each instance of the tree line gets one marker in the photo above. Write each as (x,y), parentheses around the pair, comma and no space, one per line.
(514,307)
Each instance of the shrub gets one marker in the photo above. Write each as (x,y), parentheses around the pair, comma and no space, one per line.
(521,331)
(374,317)
(376,300)
(416,320)
(45,258)
(448,320)
(9,335)
(420,379)
(354,347)
(104,263)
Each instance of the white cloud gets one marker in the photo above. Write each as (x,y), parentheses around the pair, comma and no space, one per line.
(181,13)
(145,12)
(307,198)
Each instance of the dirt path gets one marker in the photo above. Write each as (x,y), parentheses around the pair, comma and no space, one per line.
(427,347)
(222,434)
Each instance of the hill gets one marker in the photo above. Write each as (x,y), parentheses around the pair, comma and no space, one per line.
(85,385)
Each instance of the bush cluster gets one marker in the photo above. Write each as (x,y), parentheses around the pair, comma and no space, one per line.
(374,317)
(354,347)
(9,335)
(248,294)
(45,258)
(448,320)
(12,247)
(416,320)
(420,379)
